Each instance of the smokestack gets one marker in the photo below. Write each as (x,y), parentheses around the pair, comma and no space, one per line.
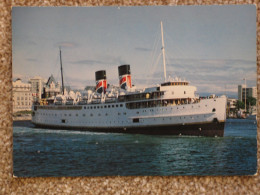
(101,82)
(124,76)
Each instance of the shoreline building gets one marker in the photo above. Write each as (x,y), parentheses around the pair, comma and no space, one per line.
(22,96)
(37,84)
(51,88)
(249,91)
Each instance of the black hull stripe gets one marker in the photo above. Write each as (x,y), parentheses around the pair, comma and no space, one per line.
(204,129)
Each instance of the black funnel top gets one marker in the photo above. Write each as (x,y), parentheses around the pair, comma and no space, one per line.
(101,74)
(124,69)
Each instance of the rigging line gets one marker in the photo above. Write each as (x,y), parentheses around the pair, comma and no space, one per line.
(152,55)
(154,51)
(156,63)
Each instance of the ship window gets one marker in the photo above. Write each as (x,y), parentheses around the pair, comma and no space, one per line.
(105,106)
(124,113)
(94,107)
(63,120)
(91,114)
(101,106)
(119,113)
(76,114)
(69,114)
(108,106)
(184,92)
(206,105)
(213,110)
(97,106)
(121,105)
(65,114)
(136,120)
(83,115)
(84,107)
(137,112)
(90,107)
(113,106)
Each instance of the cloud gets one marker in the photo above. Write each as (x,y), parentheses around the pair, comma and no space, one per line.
(142,49)
(209,75)
(31,60)
(88,62)
(101,60)
(66,44)
(32,43)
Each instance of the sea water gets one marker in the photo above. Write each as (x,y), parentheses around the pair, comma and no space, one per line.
(46,152)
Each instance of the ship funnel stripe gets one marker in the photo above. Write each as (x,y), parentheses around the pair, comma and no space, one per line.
(101,82)
(124,76)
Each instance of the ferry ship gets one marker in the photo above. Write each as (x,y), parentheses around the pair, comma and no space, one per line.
(169,108)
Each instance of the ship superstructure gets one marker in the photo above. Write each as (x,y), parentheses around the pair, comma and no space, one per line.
(169,108)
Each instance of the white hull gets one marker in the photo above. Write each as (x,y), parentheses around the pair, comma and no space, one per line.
(118,116)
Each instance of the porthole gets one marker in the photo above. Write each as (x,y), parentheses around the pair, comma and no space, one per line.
(97,107)
(113,106)
(84,107)
(94,107)
(101,106)
(77,115)
(91,114)
(83,115)
(213,110)
(105,106)
(121,105)
(117,105)
(108,106)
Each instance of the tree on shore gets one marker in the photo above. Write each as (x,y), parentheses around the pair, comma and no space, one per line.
(240,105)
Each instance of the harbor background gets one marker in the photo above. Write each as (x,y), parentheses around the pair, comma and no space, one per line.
(45,152)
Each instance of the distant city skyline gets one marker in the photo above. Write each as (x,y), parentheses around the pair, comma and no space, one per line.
(213,47)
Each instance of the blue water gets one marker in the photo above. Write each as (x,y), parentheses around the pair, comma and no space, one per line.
(45,152)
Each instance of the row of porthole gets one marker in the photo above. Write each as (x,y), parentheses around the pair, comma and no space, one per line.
(64,121)
(105,106)
(78,115)
(181,118)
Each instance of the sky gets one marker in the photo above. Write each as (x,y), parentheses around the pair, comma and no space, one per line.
(212,47)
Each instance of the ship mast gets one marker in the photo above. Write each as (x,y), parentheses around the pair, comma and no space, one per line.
(163,52)
(62,88)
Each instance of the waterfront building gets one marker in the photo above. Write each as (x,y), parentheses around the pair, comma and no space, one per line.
(22,96)
(37,84)
(231,107)
(249,91)
(51,88)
